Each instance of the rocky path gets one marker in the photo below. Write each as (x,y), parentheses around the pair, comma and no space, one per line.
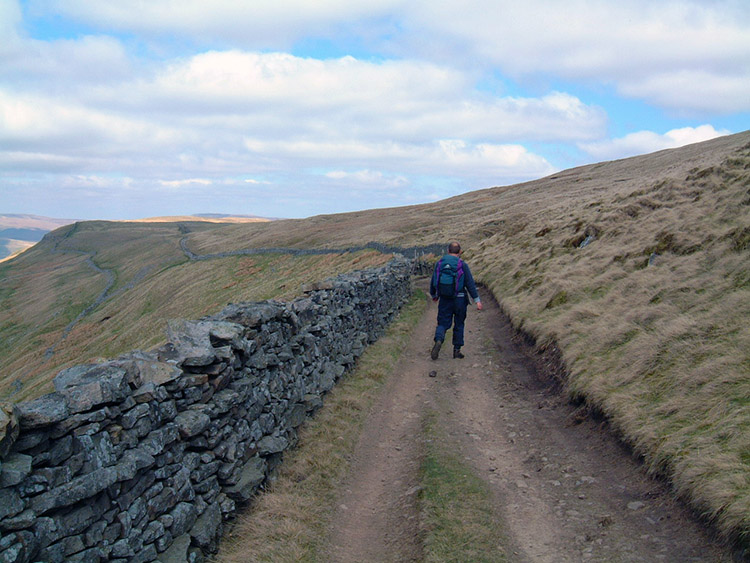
(562,488)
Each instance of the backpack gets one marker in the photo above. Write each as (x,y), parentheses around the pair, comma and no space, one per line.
(449,276)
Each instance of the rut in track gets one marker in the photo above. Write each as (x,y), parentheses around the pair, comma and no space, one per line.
(562,488)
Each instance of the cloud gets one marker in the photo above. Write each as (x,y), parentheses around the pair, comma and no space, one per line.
(647,141)
(635,46)
(186,182)
(368,178)
(251,24)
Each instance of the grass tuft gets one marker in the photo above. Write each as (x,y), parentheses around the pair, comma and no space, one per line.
(458,518)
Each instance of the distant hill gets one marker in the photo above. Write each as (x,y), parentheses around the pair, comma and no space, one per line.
(20,231)
(636,272)
(209,217)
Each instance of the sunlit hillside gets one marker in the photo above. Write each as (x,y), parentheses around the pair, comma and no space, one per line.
(638,270)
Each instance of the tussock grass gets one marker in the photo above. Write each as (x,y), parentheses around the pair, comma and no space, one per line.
(458,518)
(290,521)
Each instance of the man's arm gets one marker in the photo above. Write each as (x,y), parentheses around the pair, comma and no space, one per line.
(472,287)
(433,284)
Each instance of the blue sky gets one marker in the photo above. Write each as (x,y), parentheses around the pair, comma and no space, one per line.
(292,108)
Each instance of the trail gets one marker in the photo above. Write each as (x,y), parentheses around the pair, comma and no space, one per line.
(562,488)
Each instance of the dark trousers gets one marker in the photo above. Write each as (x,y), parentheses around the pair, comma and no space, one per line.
(451,310)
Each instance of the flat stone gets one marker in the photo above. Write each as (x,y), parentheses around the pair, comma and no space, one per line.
(47,409)
(252,475)
(157,373)
(191,343)
(207,526)
(10,503)
(80,488)
(184,516)
(178,551)
(251,314)
(90,385)
(272,445)
(14,469)
(191,422)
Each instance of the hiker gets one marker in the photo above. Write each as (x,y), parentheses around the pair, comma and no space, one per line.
(450,282)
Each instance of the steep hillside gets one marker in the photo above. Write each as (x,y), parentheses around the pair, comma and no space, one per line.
(637,271)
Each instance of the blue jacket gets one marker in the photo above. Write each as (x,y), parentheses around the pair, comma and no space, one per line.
(465,283)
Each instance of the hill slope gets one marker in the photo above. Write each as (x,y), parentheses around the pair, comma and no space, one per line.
(636,270)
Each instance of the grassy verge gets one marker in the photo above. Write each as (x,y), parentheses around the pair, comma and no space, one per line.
(458,518)
(289,521)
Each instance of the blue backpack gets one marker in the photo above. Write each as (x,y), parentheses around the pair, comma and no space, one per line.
(449,276)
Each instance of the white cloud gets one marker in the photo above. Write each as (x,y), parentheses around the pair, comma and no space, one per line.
(186,182)
(30,122)
(647,141)
(255,23)
(635,45)
(368,177)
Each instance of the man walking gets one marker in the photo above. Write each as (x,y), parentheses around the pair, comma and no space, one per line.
(450,281)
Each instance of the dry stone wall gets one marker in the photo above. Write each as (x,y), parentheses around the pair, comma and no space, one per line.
(145,457)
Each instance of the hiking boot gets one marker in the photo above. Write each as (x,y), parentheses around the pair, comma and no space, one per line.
(436,349)
(457,353)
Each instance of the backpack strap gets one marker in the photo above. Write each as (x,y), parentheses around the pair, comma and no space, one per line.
(459,273)
(437,273)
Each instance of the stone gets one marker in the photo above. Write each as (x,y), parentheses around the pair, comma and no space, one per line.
(190,423)
(19,522)
(184,516)
(153,531)
(98,449)
(61,450)
(272,445)
(253,474)
(148,553)
(191,343)
(155,373)
(10,503)
(161,503)
(296,415)
(14,469)
(207,526)
(44,411)
(78,489)
(178,551)
(312,401)
(90,385)
(251,314)
(9,428)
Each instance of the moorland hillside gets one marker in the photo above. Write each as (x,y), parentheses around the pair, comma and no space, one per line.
(636,270)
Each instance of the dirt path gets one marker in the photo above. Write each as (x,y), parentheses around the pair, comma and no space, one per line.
(563,489)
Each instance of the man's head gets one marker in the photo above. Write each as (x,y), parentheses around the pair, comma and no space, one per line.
(454,248)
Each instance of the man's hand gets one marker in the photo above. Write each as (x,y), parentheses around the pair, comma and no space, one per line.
(435,299)
(479,305)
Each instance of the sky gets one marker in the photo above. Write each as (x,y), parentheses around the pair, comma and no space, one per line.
(292,108)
